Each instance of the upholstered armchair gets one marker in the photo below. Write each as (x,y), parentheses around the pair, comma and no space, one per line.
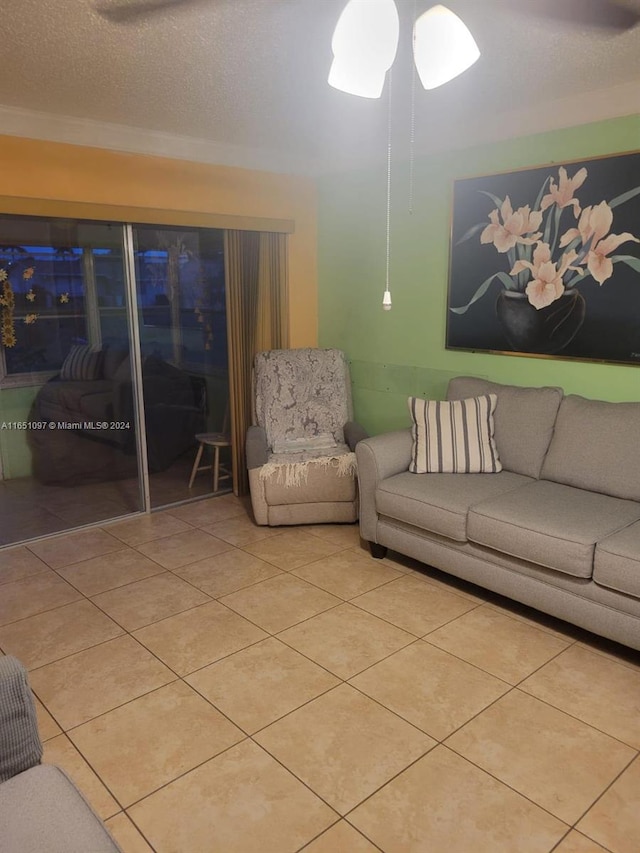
(302,468)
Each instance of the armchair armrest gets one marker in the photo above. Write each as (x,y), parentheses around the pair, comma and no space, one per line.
(378,458)
(353,433)
(256,447)
(20,746)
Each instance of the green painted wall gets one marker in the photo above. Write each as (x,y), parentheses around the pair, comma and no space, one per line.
(15,405)
(402,351)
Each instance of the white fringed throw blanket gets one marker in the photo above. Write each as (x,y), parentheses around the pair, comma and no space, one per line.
(292,469)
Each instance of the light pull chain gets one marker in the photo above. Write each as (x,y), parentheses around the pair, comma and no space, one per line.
(386,299)
(412,132)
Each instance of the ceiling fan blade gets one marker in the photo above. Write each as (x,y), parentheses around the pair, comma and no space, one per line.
(604,14)
(121,12)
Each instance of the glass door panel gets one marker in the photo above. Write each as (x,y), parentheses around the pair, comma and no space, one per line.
(68,447)
(183,342)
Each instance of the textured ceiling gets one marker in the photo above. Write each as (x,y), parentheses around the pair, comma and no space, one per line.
(252,73)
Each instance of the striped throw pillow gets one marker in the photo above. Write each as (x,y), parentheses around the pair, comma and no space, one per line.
(82,363)
(454,437)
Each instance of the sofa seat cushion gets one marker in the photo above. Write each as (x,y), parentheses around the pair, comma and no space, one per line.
(617,561)
(550,524)
(42,812)
(67,397)
(440,502)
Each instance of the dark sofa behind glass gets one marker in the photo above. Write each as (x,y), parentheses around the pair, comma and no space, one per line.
(93,436)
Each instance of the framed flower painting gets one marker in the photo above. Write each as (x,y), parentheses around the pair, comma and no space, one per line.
(546,261)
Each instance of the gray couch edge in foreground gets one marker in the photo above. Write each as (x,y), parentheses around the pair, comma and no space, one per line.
(390,517)
(41,810)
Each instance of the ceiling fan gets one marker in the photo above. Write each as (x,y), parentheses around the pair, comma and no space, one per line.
(604,14)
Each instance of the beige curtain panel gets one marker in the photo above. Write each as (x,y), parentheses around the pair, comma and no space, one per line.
(257,310)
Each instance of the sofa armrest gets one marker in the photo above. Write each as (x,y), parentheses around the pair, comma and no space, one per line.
(20,746)
(353,433)
(378,458)
(256,447)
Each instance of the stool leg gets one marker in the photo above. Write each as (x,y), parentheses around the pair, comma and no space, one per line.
(216,467)
(194,470)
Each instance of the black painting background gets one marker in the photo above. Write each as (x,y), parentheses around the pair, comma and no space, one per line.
(611,330)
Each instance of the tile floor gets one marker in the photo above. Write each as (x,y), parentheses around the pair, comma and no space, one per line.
(215,687)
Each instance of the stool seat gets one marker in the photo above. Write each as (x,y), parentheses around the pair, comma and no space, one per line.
(216,440)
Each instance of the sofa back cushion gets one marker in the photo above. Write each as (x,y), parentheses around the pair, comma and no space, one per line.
(524,420)
(596,446)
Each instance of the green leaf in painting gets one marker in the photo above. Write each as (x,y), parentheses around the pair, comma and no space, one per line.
(629,260)
(494,198)
(620,199)
(473,230)
(480,292)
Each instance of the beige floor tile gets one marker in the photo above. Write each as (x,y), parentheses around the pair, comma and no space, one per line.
(180,549)
(346,640)
(536,619)
(73,547)
(258,685)
(505,647)
(347,535)
(149,600)
(198,637)
(239,802)
(341,838)
(157,525)
(170,731)
(47,726)
(622,654)
(19,563)
(211,511)
(448,583)
(555,760)
(225,573)
(126,835)
(62,752)
(240,530)
(109,571)
(95,681)
(614,821)
(347,573)
(54,634)
(344,746)
(280,602)
(413,605)
(468,812)
(32,595)
(430,688)
(594,689)
(576,842)
(292,549)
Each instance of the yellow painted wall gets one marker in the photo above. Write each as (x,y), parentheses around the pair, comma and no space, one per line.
(41,172)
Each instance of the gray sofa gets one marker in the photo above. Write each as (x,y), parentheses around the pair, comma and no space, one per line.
(41,811)
(558,528)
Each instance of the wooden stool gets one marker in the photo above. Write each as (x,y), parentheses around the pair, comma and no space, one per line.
(216,440)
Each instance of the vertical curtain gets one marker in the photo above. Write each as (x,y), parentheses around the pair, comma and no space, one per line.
(256,299)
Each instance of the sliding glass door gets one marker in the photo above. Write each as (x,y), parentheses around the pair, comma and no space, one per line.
(183,345)
(113,371)
(68,436)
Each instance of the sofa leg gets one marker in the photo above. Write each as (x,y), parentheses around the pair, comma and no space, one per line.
(377,551)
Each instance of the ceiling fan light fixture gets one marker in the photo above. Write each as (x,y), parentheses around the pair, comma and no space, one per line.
(443,46)
(364,44)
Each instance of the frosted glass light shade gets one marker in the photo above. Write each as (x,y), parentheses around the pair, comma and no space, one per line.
(364,44)
(443,47)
